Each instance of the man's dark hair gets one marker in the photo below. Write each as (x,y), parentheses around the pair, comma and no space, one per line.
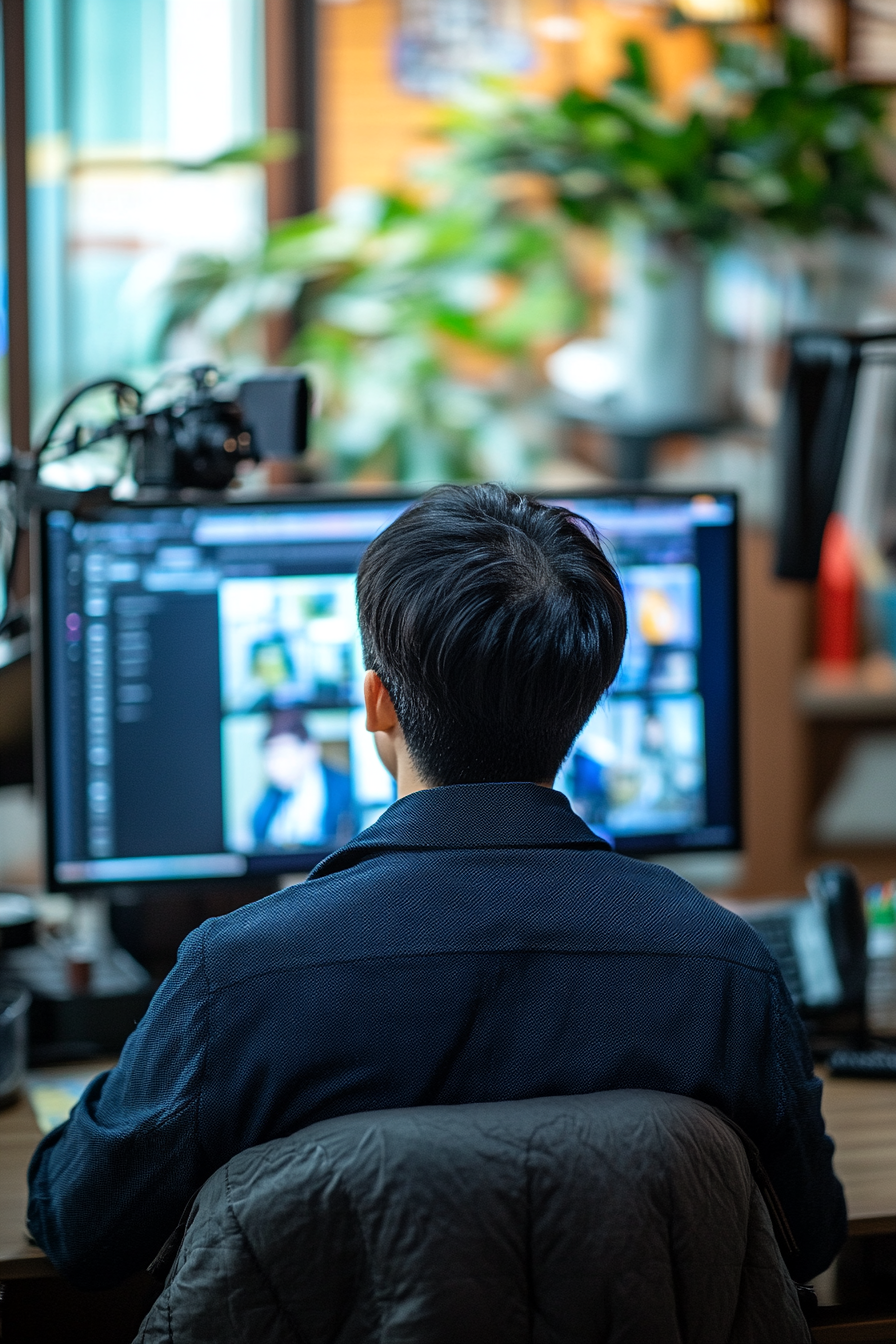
(495,623)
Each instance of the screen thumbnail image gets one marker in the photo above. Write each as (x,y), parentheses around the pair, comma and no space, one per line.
(663,604)
(637,767)
(299,778)
(289,640)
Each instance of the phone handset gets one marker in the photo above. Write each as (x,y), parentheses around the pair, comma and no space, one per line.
(837,897)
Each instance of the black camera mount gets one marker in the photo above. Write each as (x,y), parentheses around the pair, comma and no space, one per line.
(196,441)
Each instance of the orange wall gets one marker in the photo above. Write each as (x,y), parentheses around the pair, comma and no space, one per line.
(370,130)
(367,127)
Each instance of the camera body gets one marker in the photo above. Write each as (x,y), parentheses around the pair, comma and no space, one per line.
(199,440)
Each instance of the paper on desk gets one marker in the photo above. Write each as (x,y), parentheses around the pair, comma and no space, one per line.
(52,1098)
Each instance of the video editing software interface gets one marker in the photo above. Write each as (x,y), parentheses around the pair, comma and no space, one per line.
(203,679)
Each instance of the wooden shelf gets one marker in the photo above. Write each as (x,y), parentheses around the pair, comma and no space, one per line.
(866,691)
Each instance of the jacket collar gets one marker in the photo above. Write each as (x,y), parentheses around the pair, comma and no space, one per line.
(470,816)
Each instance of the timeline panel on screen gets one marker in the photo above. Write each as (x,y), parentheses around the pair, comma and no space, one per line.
(203,686)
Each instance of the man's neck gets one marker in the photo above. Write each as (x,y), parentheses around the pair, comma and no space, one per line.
(408,780)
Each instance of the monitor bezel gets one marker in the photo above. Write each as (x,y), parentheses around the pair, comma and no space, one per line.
(93,504)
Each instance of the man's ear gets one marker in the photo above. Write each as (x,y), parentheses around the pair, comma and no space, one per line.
(381,716)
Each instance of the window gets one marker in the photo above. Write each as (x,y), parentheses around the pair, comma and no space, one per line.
(122,97)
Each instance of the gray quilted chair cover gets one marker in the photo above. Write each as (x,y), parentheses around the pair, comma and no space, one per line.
(616,1218)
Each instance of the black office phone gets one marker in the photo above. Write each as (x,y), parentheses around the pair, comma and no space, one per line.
(820,945)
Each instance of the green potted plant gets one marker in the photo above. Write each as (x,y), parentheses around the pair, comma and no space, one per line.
(427,314)
(424,324)
(774,146)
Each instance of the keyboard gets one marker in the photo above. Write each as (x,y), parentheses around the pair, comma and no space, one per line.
(863,1064)
(776,931)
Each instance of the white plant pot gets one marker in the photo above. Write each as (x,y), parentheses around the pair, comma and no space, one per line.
(659,330)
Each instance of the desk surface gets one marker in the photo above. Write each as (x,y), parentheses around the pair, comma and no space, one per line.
(19,1135)
(860,1115)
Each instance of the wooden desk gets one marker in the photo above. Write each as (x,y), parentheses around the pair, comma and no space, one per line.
(36,1303)
(860,1115)
(19,1135)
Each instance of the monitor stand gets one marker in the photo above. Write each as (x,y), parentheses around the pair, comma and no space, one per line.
(88,993)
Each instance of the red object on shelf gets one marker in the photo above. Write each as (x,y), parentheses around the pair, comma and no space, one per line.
(836,638)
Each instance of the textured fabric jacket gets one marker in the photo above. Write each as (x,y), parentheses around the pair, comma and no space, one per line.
(477,943)
(624,1216)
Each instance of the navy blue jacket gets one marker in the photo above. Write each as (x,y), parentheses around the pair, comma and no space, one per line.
(478,943)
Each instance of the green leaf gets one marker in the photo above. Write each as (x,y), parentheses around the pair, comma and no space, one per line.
(637,76)
(273,147)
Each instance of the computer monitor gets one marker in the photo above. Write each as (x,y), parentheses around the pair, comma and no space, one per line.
(201,680)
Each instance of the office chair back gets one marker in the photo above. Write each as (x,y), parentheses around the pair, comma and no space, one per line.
(620,1217)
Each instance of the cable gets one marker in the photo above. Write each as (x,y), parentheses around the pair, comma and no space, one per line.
(120,388)
(12,476)
(198,441)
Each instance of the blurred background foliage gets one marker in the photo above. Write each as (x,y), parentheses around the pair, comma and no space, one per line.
(772,135)
(426,315)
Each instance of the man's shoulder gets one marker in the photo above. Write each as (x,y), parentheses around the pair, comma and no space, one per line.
(670,914)
(423,903)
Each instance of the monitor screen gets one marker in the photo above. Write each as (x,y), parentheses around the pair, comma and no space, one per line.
(202,676)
